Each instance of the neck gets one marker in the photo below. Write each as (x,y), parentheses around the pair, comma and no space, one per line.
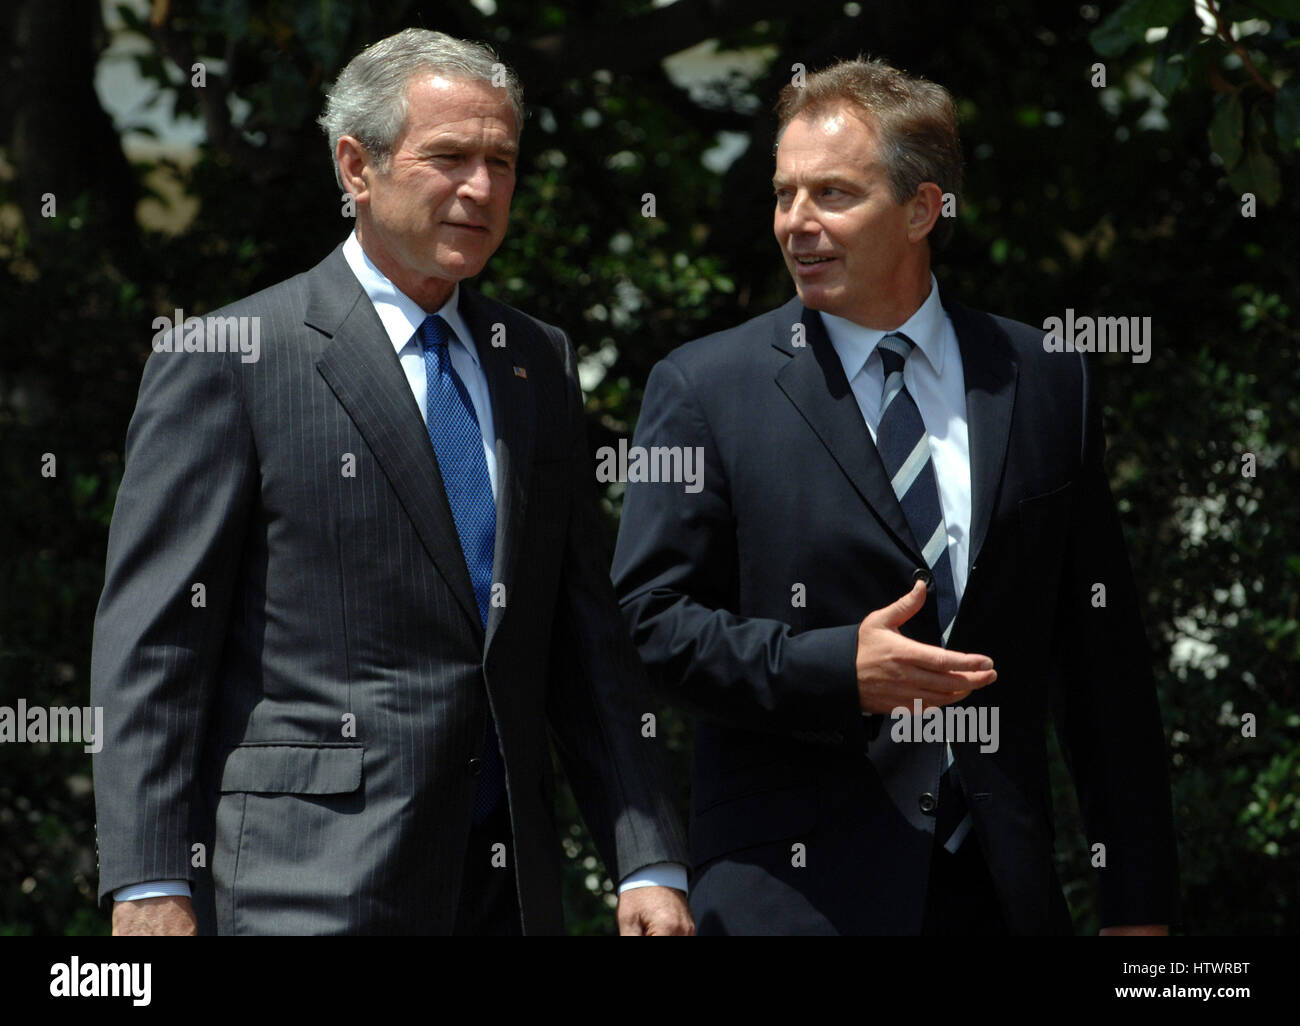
(895,304)
(429,292)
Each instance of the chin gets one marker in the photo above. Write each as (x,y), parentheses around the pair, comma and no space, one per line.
(467,264)
(458,267)
(814,299)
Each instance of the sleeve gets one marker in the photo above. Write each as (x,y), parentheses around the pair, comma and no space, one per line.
(676,572)
(661,874)
(597,700)
(153,889)
(1107,715)
(173,555)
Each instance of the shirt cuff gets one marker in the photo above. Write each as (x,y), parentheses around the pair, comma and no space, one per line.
(153,889)
(661,874)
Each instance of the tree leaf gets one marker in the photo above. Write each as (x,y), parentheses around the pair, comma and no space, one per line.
(1128,24)
(1167,74)
(1225,131)
(1286,114)
(1258,174)
(1174,54)
(1113,36)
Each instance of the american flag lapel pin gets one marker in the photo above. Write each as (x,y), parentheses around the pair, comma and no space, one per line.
(521,372)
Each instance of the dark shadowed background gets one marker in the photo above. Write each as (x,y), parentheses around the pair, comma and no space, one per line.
(1134,159)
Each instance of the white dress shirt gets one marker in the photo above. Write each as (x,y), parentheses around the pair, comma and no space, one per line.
(935,380)
(401,317)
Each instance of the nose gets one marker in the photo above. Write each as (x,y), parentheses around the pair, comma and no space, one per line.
(477,182)
(800,216)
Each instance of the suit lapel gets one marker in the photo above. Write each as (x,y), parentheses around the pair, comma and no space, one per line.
(515,426)
(991,371)
(362,369)
(814,381)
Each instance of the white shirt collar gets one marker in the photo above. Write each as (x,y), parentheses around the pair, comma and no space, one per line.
(401,315)
(854,343)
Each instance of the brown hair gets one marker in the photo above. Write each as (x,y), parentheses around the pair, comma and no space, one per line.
(917,120)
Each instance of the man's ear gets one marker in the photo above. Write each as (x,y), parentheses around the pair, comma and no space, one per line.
(354,164)
(924,210)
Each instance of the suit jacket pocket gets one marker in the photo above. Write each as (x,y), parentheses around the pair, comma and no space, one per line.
(1056,500)
(1044,531)
(751,819)
(272,768)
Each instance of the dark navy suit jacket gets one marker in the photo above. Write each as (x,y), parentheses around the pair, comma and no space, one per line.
(795,494)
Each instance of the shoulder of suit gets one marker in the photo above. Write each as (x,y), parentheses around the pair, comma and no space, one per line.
(330,275)
(745,346)
(496,310)
(1024,340)
(1058,370)
(288,294)
(292,293)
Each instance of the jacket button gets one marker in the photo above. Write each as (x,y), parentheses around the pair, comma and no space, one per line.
(475,766)
(922,574)
(928,803)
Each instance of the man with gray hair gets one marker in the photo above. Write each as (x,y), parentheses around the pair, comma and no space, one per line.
(338,621)
(891,572)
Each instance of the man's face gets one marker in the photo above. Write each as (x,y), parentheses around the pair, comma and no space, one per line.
(440,209)
(844,238)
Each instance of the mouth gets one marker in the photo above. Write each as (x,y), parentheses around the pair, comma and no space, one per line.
(809,264)
(467,227)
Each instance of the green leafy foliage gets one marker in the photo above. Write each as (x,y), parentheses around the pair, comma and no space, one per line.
(1123,200)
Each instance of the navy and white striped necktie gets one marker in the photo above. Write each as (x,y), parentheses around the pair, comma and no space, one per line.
(904,448)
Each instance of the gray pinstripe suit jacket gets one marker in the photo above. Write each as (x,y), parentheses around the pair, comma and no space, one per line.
(311,722)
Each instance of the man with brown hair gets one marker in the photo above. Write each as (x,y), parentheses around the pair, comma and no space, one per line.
(887,577)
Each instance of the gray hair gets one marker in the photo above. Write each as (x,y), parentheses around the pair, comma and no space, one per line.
(368,101)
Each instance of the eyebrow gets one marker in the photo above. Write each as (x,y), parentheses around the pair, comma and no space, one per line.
(462,142)
(835,181)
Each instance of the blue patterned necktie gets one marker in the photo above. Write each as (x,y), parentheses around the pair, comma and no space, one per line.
(904,448)
(458,442)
